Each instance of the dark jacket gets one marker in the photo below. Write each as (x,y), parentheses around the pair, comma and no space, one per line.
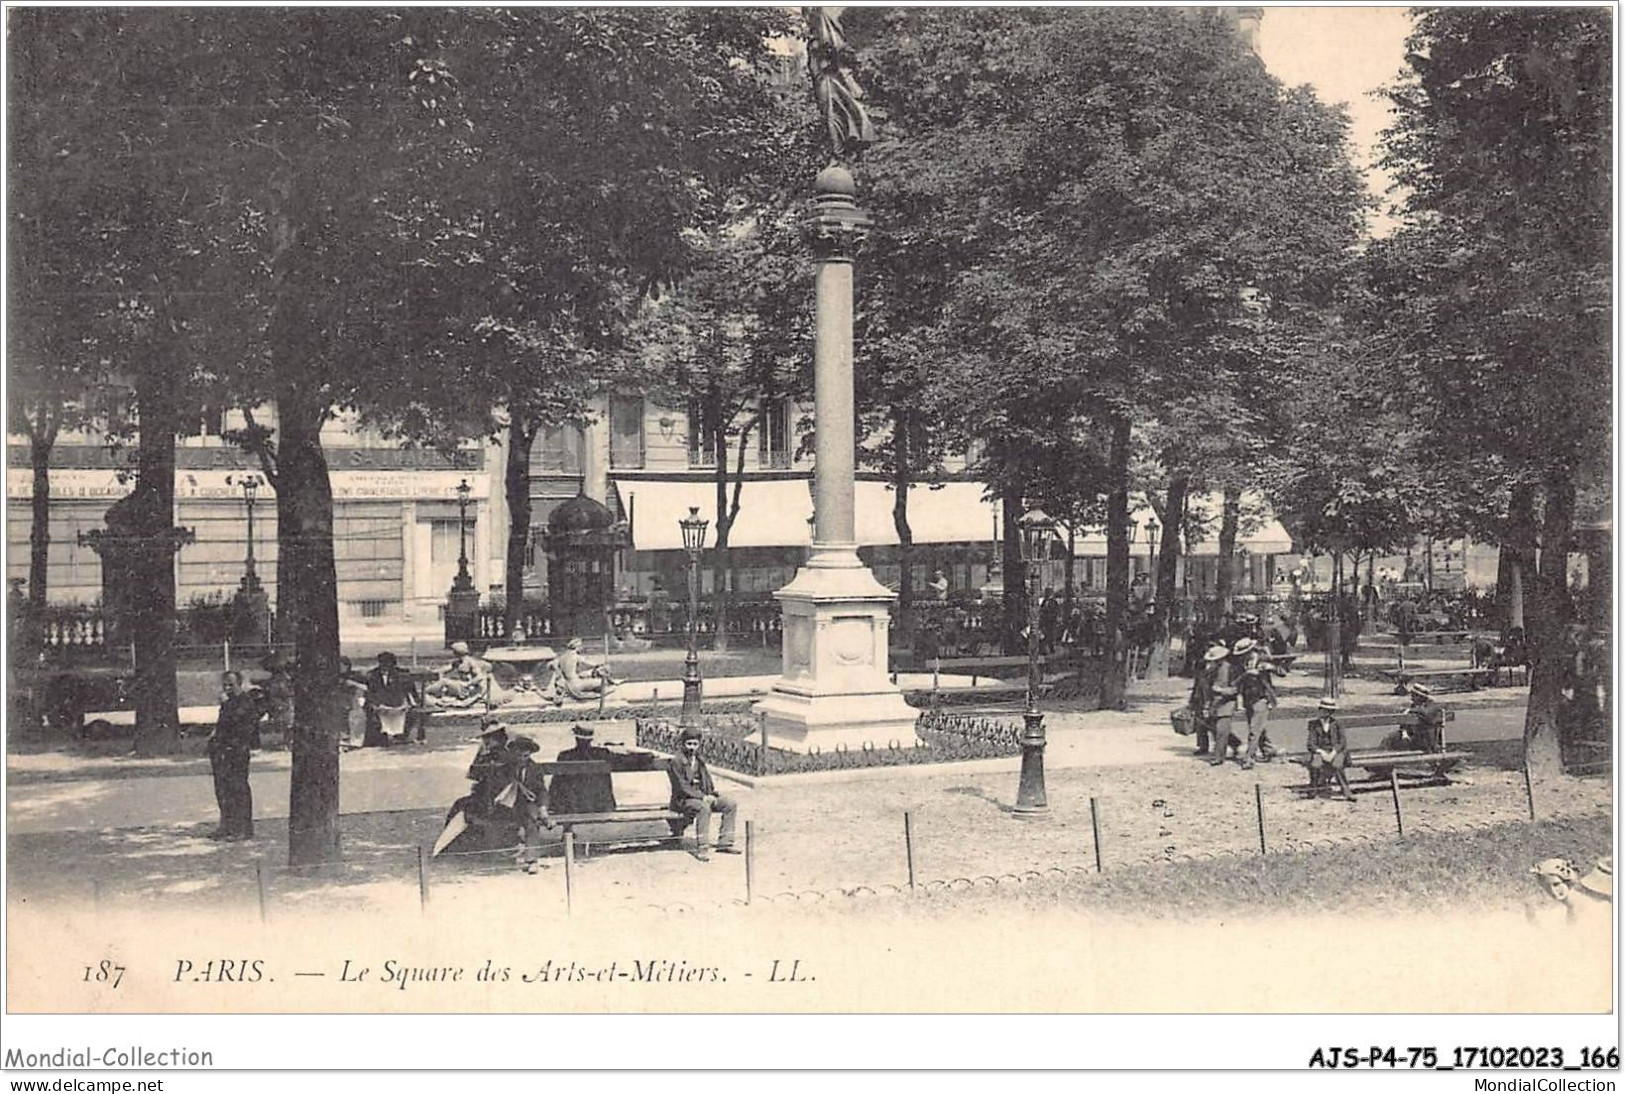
(583,793)
(1326,734)
(238,727)
(683,787)
(392,688)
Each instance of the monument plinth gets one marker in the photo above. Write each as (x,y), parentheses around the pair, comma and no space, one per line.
(835,688)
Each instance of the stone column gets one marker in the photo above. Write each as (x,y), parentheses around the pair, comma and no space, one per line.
(835,688)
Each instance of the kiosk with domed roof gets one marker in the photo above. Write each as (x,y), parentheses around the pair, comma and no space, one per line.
(582,542)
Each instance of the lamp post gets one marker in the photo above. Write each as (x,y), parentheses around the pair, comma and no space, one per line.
(252,623)
(464,579)
(693,527)
(251,487)
(1151,527)
(1037,531)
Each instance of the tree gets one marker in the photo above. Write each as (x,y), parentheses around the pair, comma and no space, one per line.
(1141,191)
(1501,147)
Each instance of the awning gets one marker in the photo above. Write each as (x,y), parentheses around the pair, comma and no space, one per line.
(953,512)
(1261,534)
(772,512)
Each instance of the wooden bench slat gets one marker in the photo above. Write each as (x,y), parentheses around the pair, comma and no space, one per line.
(622,814)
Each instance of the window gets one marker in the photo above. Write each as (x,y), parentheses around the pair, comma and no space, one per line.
(775,433)
(625,432)
(700,453)
(208,422)
(562,449)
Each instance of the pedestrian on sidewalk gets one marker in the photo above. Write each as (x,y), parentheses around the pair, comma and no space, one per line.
(229,747)
(694,794)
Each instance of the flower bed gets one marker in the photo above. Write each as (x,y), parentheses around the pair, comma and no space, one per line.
(734,743)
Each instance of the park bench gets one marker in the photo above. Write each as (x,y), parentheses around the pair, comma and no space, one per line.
(1433,767)
(1474,676)
(650,785)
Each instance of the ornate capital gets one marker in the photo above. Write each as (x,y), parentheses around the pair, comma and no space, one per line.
(835,225)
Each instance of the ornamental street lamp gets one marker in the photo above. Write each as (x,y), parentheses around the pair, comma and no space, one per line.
(464,580)
(1037,533)
(693,527)
(251,624)
(1151,527)
(251,487)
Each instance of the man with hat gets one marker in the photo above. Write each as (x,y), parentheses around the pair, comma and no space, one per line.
(1328,748)
(584,793)
(1201,700)
(694,793)
(1426,719)
(1222,691)
(391,695)
(1256,686)
(524,796)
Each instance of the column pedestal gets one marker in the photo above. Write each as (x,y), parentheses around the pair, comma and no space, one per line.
(835,689)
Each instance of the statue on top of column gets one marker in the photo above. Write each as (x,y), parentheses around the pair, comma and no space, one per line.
(839,96)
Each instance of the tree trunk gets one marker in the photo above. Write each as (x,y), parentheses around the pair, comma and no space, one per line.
(1114,678)
(1014,601)
(516,485)
(1229,523)
(39,532)
(1166,591)
(902,473)
(1334,629)
(305,540)
(1548,613)
(1071,565)
(720,561)
(152,573)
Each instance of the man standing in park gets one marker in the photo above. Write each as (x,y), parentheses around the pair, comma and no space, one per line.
(229,746)
(693,793)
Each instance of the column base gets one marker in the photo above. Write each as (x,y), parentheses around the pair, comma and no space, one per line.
(835,690)
(802,723)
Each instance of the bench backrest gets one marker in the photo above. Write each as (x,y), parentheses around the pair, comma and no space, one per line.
(1398,718)
(575,767)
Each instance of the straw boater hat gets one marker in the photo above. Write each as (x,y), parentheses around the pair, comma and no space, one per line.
(1420,689)
(584,732)
(1327,703)
(460,647)
(490,727)
(574,644)
(1244,646)
(1216,653)
(1601,880)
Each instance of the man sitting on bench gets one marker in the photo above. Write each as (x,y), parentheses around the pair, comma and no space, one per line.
(1328,749)
(1426,722)
(693,793)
